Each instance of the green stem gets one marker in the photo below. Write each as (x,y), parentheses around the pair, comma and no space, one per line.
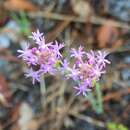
(96,99)
(99,98)
(43,90)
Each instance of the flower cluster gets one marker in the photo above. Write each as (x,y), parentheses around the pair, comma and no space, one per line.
(42,58)
(85,68)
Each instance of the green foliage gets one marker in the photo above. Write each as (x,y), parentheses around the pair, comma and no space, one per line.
(57,64)
(95,99)
(114,126)
(23,22)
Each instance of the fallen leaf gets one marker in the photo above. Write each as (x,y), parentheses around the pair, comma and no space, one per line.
(117,44)
(106,34)
(5,93)
(33,125)
(14,116)
(19,5)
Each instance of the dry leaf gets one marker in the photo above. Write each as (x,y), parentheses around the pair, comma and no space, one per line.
(82,8)
(19,5)
(117,43)
(33,125)
(106,34)
(5,93)
(14,116)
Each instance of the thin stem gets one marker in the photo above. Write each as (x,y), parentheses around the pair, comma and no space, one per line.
(96,99)
(43,90)
(99,98)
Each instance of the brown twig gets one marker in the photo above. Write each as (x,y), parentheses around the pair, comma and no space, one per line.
(116,95)
(88,119)
(94,19)
(57,30)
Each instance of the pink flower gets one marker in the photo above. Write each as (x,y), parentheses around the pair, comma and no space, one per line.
(77,53)
(57,48)
(101,58)
(25,52)
(85,69)
(74,73)
(28,55)
(43,56)
(91,57)
(97,71)
(35,75)
(37,36)
(64,67)
(83,88)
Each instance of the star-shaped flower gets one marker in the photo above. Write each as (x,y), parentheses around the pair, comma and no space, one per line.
(35,75)
(77,53)
(101,58)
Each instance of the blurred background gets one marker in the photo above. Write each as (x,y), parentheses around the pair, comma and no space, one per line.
(94,24)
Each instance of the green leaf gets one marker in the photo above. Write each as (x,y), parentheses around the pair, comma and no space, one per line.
(111,126)
(122,127)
